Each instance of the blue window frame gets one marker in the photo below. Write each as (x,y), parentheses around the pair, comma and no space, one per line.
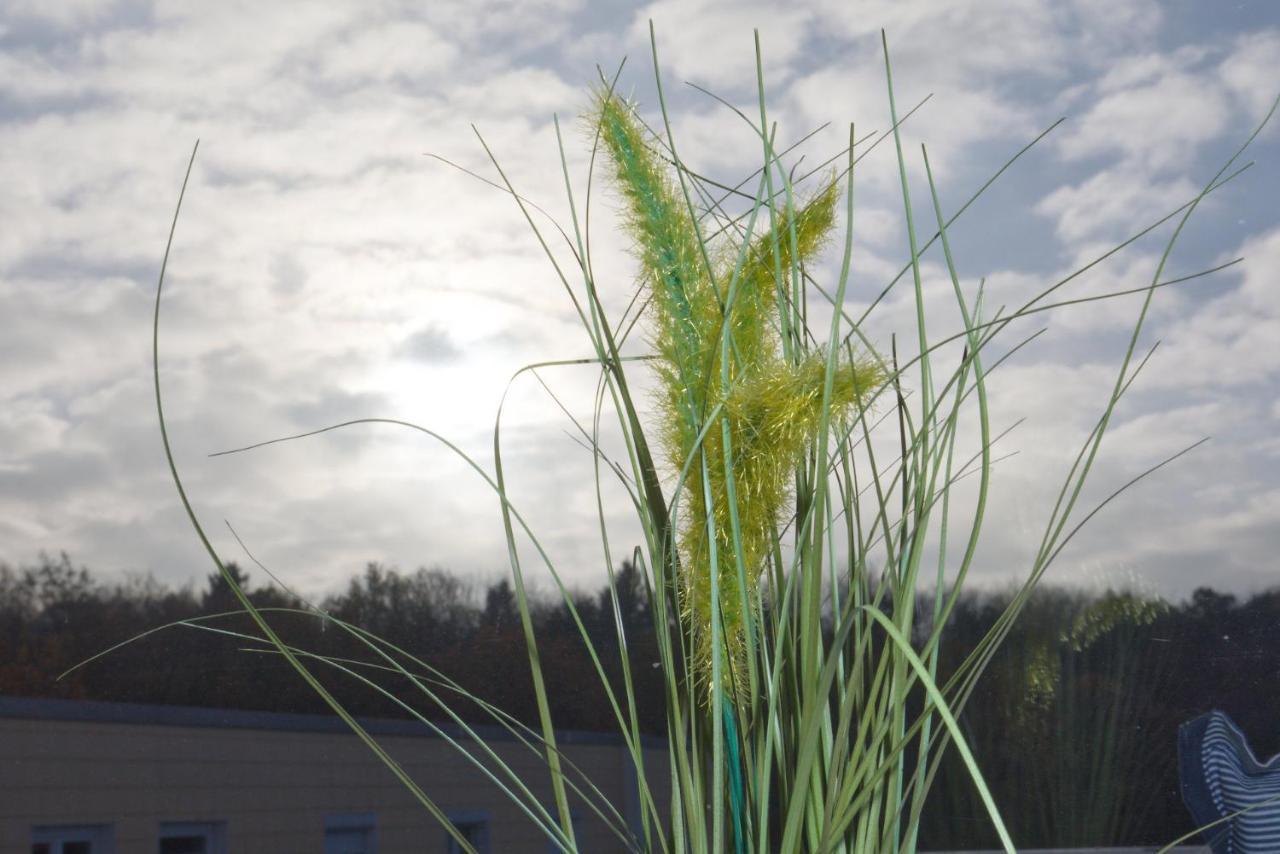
(73,839)
(351,833)
(193,837)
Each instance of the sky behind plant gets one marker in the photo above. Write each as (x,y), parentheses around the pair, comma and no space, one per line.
(326,268)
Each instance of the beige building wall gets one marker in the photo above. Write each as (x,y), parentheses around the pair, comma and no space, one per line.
(275,779)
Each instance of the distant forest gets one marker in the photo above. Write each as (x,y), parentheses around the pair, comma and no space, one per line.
(1074,722)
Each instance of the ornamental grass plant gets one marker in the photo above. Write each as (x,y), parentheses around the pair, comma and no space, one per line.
(794,475)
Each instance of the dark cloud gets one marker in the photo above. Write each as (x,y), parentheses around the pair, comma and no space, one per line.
(288,276)
(50,477)
(432,344)
(47,29)
(329,406)
(67,264)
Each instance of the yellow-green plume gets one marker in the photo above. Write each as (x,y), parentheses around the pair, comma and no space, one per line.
(772,407)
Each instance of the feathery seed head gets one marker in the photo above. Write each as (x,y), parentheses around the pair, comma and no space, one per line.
(772,408)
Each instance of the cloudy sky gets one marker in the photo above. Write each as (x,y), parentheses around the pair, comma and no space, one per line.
(326,268)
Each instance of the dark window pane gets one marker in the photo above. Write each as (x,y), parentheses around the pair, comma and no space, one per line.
(77,848)
(346,841)
(182,845)
(40,848)
(473,832)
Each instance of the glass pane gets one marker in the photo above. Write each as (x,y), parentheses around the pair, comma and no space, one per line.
(182,845)
(346,841)
(472,831)
(77,848)
(40,848)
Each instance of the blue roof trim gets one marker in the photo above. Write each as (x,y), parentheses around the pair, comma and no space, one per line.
(97,711)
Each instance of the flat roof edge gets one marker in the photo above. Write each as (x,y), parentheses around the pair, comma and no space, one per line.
(101,711)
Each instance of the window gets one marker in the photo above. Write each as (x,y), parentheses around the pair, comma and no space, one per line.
(193,837)
(350,834)
(474,827)
(77,839)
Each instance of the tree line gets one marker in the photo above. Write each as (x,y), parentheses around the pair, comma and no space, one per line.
(1073,720)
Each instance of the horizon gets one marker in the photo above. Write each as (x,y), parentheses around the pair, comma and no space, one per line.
(542,591)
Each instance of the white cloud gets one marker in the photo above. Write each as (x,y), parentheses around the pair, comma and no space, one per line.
(401,52)
(1157,113)
(1156,109)
(1115,203)
(710,42)
(1250,70)
(1230,341)
(29,425)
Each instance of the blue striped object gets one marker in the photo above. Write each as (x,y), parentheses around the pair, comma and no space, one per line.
(1221,777)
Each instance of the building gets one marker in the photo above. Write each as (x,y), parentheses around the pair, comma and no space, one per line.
(82,777)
